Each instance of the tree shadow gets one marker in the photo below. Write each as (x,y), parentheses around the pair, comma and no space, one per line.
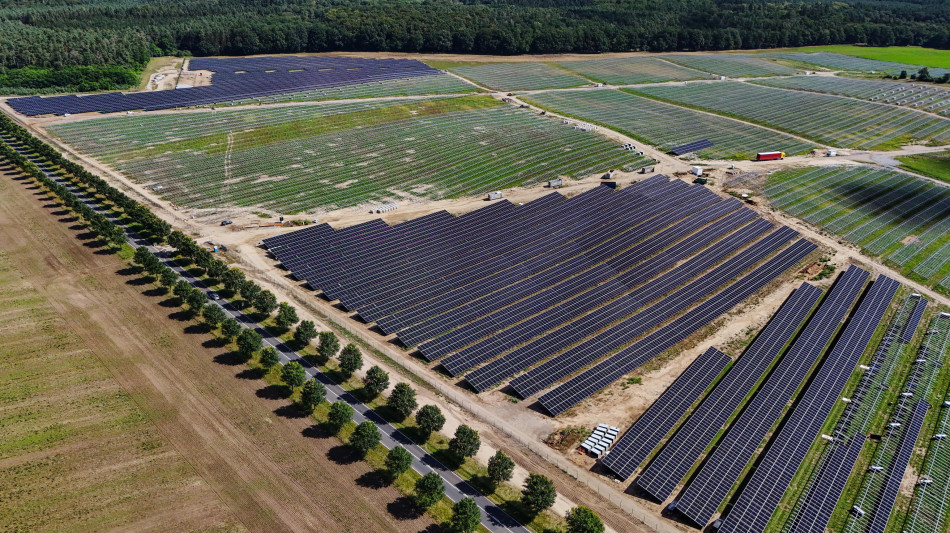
(403,508)
(251,374)
(290,411)
(232,358)
(141,280)
(157,291)
(375,479)
(181,316)
(274,392)
(318,431)
(315,360)
(343,455)
(216,342)
(106,250)
(196,329)
(448,458)
(170,303)
(277,331)
(86,235)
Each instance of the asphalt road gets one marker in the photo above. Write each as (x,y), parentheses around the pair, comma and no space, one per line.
(494,518)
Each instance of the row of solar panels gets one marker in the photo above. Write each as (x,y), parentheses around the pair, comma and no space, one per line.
(552,286)
(235,79)
(796,336)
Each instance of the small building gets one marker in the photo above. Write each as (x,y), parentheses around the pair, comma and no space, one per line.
(495,195)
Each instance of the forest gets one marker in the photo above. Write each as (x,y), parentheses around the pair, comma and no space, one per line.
(63,33)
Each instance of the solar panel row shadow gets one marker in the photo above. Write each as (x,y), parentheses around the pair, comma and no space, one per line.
(709,487)
(627,360)
(786,451)
(672,463)
(654,424)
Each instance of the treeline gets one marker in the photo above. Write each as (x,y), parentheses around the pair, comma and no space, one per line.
(60,33)
(68,79)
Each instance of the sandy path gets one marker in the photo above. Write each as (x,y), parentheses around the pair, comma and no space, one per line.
(255,456)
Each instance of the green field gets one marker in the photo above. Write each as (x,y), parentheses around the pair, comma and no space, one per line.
(902,219)
(824,118)
(666,126)
(934,165)
(318,157)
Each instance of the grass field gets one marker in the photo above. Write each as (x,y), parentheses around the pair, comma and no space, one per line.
(308,158)
(902,219)
(934,165)
(824,118)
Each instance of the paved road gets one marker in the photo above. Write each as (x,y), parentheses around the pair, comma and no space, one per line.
(494,518)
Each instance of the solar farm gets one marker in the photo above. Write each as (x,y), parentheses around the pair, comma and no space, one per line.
(892,215)
(745,372)
(824,118)
(665,125)
(380,151)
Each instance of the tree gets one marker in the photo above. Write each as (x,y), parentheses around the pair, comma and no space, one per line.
(583,520)
(375,381)
(924,75)
(402,400)
(903,75)
(216,269)
(182,289)
(429,490)
(365,437)
(398,460)
(269,357)
(213,315)
(429,419)
(196,300)
(500,469)
(153,265)
(248,342)
(340,414)
(466,516)
(250,290)
(538,493)
(350,360)
(293,374)
(286,316)
(140,257)
(230,328)
(327,345)
(465,443)
(232,279)
(265,302)
(168,277)
(312,395)
(305,333)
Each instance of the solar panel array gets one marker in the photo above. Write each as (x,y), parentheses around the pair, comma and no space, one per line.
(650,428)
(709,488)
(915,317)
(786,452)
(817,502)
(669,467)
(235,79)
(892,484)
(688,148)
(563,282)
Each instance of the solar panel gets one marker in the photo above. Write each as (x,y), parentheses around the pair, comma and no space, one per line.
(614,367)
(694,146)
(882,511)
(773,475)
(672,463)
(709,487)
(823,498)
(908,333)
(650,428)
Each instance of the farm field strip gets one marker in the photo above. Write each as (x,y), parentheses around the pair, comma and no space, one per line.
(825,118)
(903,219)
(632,70)
(451,153)
(921,96)
(665,125)
(730,65)
(519,76)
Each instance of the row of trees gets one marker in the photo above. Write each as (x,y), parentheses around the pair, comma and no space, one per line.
(538,493)
(60,33)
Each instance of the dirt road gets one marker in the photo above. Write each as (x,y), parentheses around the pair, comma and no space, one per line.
(265,464)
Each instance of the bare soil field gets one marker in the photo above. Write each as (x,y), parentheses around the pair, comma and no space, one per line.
(146,424)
